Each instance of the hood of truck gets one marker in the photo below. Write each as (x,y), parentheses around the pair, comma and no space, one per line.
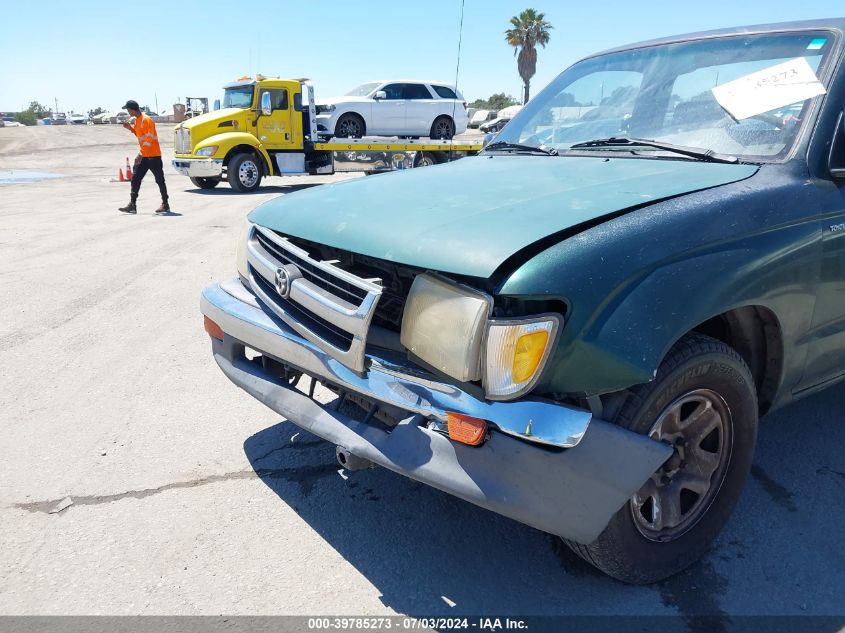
(218,116)
(469,216)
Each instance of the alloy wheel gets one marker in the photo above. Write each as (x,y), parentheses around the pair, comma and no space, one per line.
(698,425)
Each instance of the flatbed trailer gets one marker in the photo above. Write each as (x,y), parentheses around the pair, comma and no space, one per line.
(277,135)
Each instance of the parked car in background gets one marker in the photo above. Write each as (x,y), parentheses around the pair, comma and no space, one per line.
(75,118)
(395,108)
(482,116)
(505,115)
(13,123)
(59,119)
(103,118)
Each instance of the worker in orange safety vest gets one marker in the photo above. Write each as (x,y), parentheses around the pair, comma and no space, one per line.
(148,160)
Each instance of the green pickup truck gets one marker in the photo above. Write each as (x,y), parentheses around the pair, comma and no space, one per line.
(579,327)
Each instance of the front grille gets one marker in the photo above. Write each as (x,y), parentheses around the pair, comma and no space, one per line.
(334,335)
(395,279)
(182,140)
(345,290)
(330,307)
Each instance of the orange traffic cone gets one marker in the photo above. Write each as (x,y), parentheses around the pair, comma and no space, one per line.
(128,170)
(120,177)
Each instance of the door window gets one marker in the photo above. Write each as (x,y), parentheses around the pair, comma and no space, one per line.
(416,91)
(394,91)
(278,98)
(444,92)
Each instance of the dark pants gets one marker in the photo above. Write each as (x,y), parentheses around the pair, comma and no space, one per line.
(142,166)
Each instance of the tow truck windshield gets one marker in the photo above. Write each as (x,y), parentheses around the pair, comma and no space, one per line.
(238,97)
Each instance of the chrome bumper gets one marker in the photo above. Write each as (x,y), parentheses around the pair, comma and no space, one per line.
(199,167)
(571,493)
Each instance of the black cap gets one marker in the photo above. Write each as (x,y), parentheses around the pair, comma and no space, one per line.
(131,105)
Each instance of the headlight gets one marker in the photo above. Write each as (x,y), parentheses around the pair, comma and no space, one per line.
(443,324)
(243,237)
(515,354)
(325,108)
(207,151)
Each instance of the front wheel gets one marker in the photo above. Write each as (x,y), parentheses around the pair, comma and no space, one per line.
(703,403)
(350,126)
(205,183)
(244,173)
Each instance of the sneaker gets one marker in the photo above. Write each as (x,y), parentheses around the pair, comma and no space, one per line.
(129,208)
(164,208)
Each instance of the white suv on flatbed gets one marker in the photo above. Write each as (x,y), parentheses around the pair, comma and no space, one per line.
(395,108)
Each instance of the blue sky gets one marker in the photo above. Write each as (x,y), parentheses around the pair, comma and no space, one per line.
(89,54)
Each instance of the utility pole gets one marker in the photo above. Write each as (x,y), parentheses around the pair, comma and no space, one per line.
(156,97)
(56,101)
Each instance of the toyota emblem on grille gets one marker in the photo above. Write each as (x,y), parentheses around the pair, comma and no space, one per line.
(282,282)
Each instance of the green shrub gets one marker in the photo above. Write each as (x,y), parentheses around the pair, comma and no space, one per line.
(27,118)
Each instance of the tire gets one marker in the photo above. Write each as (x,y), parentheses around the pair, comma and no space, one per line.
(442,128)
(205,183)
(643,544)
(244,172)
(350,125)
(426,159)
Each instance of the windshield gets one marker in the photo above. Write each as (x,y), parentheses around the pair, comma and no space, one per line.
(363,90)
(745,96)
(237,97)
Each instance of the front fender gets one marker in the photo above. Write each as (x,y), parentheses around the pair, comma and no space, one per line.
(617,335)
(227,141)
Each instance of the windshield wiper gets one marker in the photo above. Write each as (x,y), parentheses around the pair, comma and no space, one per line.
(624,141)
(518,147)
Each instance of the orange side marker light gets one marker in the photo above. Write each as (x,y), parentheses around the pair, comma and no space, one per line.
(466,429)
(214,330)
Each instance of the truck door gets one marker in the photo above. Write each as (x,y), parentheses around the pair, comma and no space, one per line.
(276,130)
(389,113)
(826,353)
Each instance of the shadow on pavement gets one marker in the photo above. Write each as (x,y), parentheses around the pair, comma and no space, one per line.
(227,191)
(431,554)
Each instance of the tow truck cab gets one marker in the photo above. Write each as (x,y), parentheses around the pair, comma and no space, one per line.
(263,129)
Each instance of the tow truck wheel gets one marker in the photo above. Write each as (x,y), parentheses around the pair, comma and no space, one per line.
(704,404)
(425,159)
(350,126)
(205,183)
(442,128)
(244,173)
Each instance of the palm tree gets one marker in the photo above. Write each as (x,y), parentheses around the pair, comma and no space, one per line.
(529,29)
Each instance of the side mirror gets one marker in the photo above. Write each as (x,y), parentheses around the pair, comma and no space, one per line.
(266,105)
(217,104)
(379,95)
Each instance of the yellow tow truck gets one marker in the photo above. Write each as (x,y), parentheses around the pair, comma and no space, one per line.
(268,127)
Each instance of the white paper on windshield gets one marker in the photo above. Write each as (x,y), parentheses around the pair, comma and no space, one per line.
(769,89)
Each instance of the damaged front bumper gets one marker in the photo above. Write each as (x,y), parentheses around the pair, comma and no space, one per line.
(564,473)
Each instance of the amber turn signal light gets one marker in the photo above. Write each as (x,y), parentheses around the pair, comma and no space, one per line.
(465,429)
(214,330)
